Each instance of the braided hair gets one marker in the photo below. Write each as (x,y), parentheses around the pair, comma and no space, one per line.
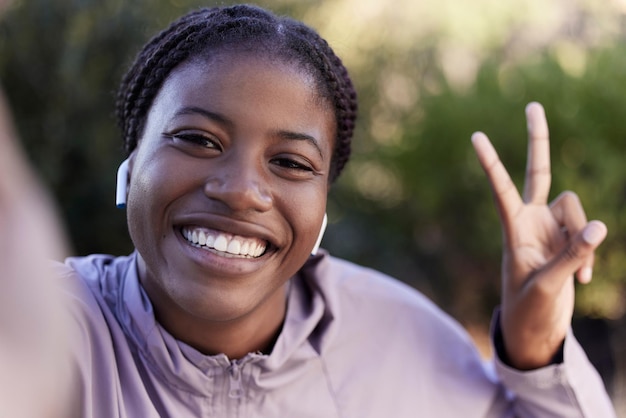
(206,30)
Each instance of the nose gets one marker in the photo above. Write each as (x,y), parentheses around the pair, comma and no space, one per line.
(240,186)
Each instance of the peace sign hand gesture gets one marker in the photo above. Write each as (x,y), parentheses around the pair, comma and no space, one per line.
(544,245)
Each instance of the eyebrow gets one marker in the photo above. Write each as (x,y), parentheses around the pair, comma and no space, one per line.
(297,136)
(192,110)
(284,134)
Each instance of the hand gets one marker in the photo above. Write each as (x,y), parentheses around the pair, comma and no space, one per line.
(34,380)
(544,246)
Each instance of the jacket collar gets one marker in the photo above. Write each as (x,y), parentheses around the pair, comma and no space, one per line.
(182,366)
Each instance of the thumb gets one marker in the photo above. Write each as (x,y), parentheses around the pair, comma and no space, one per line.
(577,256)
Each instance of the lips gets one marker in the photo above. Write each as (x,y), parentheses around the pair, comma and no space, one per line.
(226,244)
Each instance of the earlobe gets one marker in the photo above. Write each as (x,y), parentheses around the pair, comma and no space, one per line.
(320,236)
(122,185)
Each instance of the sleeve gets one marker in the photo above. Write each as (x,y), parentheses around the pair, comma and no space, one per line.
(569,387)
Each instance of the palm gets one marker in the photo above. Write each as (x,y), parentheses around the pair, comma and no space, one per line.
(535,242)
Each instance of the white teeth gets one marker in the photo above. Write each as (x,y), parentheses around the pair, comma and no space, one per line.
(225,243)
(221,243)
(234,247)
(201,238)
(210,241)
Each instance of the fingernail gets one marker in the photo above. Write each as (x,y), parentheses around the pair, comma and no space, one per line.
(593,235)
(476,136)
(584,276)
(531,106)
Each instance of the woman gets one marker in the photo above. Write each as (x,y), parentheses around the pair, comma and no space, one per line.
(236,123)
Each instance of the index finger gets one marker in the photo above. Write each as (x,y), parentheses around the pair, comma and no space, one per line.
(507,198)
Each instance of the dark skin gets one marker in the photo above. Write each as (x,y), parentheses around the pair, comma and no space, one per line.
(238,146)
(544,246)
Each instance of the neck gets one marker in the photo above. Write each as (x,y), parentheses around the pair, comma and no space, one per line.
(235,338)
(256,331)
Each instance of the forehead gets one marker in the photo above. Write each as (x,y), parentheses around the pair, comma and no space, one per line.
(239,67)
(246,85)
(244,68)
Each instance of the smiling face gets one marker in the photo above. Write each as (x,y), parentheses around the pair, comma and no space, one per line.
(228,189)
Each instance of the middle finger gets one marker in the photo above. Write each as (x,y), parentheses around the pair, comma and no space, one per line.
(538,176)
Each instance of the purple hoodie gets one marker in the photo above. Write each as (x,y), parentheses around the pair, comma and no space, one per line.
(355,344)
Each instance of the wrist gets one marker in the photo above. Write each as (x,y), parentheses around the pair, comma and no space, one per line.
(524,359)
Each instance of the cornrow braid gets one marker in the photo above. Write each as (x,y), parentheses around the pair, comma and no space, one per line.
(344,98)
(206,30)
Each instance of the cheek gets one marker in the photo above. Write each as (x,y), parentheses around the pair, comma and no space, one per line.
(144,189)
(138,211)
(307,214)
(159,178)
(151,191)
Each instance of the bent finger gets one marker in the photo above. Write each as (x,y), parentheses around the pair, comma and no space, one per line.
(574,257)
(570,215)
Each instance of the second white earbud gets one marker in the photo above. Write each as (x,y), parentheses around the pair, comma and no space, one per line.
(122,185)
(320,236)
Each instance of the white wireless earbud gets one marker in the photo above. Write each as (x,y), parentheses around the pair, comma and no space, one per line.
(122,185)
(319,238)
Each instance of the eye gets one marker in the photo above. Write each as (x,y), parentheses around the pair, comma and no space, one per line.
(195,139)
(291,164)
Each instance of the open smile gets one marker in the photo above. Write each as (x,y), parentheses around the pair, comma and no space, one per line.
(224,244)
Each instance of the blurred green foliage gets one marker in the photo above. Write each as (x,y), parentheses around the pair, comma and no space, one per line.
(413,203)
(446,214)
(443,235)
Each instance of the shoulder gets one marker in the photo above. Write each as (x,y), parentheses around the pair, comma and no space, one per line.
(358,285)
(94,267)
(99,274)
(361,296)
(91,286)
(391,332)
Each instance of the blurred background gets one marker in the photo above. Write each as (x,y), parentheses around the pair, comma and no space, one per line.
(413,202)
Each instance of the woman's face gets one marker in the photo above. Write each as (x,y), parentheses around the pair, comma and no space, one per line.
(228,186)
